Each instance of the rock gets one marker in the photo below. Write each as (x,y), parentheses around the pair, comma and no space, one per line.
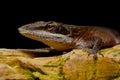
(82,67)
(75,65)
(14,73)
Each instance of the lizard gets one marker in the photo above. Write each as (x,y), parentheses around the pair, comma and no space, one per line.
(62,37)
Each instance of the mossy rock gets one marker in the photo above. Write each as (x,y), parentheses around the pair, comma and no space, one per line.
(75,65)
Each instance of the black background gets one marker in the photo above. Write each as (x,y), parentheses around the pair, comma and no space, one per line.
(15,16)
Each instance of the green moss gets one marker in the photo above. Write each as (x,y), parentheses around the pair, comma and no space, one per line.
(23,71)
(118,52)
(46,77)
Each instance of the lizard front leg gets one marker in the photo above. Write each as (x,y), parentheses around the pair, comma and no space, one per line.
(96,48)
(95,43)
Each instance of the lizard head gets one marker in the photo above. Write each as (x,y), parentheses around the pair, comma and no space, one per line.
(51,33)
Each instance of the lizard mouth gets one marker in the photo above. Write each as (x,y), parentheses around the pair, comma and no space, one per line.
(44,35)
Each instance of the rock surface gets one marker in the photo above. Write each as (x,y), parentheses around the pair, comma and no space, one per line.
(75,65)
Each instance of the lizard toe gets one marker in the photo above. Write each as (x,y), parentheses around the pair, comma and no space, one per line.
(94,52)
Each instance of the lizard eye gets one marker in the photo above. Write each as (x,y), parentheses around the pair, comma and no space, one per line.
(49,26)
(52,27)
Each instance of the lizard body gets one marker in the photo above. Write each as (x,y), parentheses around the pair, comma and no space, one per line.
(65,37)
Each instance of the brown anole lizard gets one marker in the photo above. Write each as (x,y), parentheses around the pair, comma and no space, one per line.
(63,37)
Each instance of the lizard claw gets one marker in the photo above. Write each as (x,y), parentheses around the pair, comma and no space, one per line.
(94,52)
(99,52)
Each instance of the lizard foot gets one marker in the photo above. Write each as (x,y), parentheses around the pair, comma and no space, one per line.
(94,52)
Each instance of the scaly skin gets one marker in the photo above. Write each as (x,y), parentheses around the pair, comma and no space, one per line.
(66,37)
